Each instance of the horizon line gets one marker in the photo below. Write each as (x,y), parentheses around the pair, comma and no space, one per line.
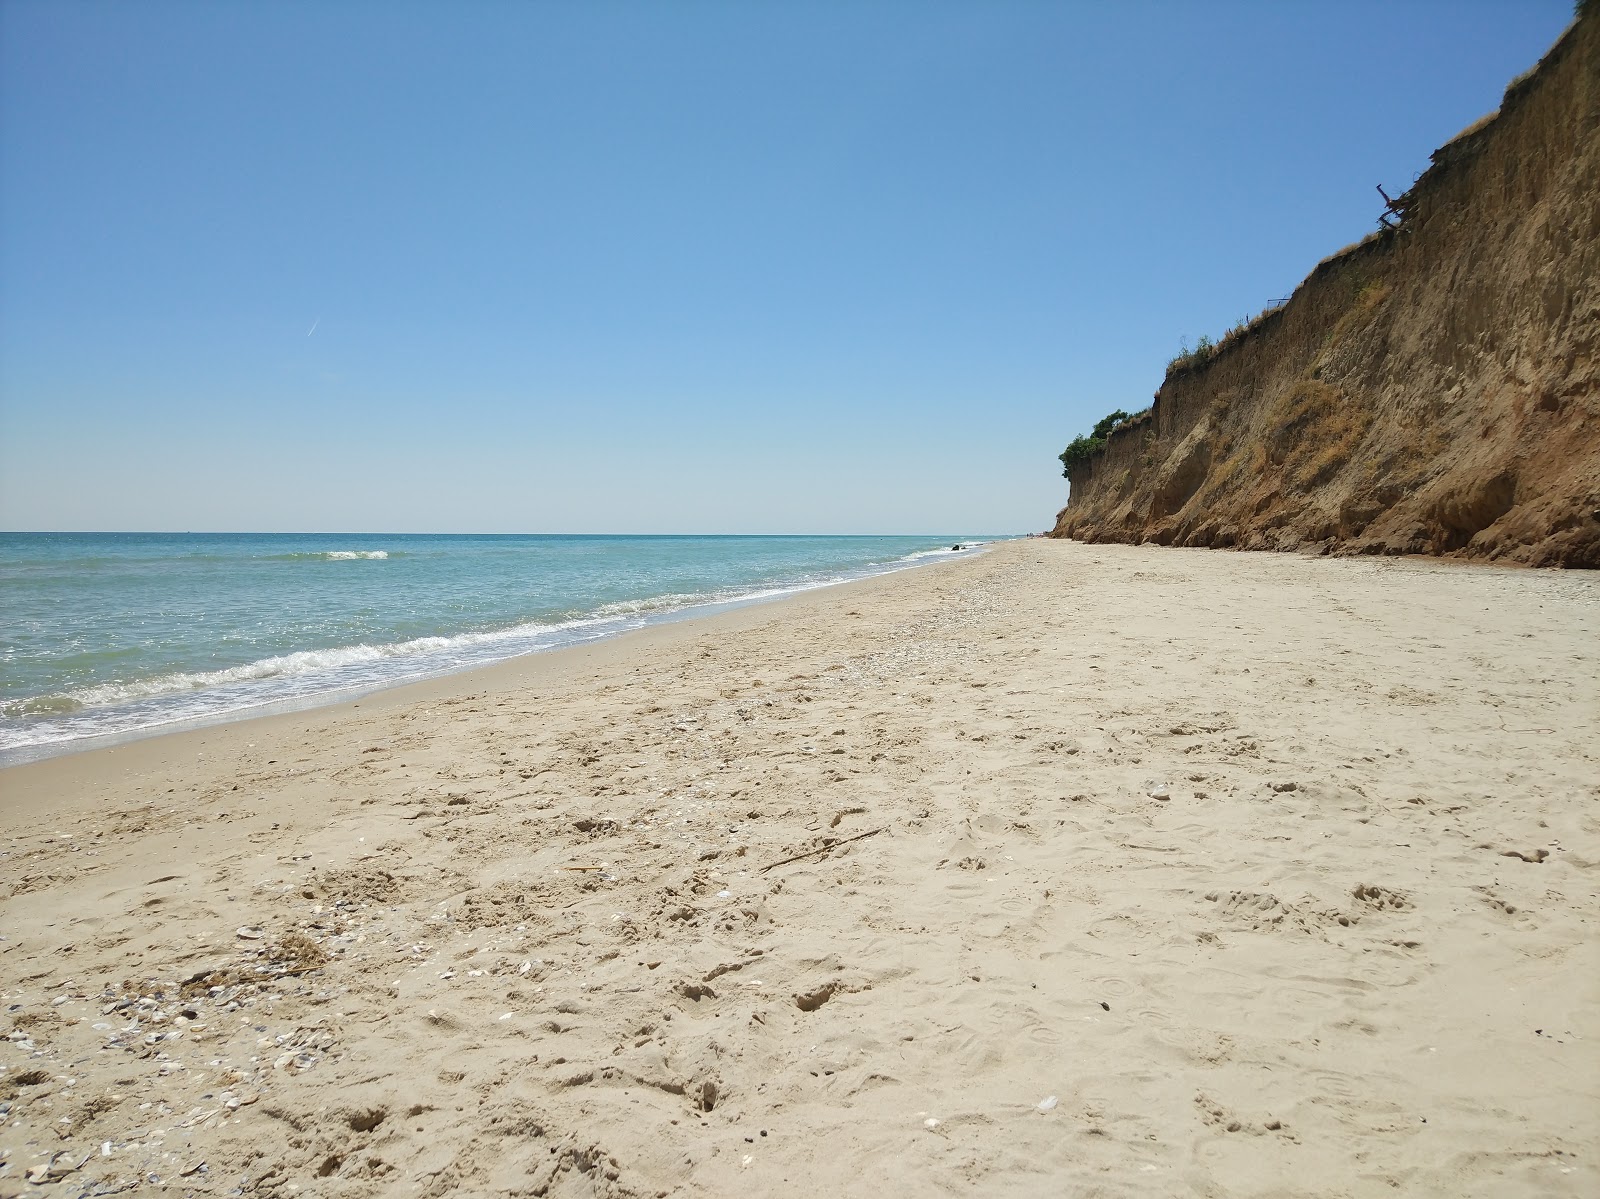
(440,533)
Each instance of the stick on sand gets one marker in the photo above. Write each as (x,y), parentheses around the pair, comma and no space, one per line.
(811,853)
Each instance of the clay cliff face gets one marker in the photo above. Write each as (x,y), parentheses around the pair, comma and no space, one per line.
(1433,389)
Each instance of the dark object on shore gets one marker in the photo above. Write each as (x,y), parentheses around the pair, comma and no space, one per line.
(956,546)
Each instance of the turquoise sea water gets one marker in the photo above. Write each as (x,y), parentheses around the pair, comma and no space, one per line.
(106,634)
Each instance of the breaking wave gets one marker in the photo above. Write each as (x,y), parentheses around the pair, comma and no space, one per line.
(302,663)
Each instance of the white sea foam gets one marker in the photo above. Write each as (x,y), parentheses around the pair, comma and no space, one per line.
(655,603)
(943,551)
(331,556)
(289,666)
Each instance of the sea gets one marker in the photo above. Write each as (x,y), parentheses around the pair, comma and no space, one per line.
(110,636)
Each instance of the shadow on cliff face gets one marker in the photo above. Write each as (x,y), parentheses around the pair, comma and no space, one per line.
(1462,515)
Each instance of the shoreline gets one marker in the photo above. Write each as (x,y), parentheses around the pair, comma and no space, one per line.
(148,751)
(568,637)
(1061,867)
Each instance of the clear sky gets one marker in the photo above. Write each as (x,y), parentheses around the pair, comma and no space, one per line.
(663,267)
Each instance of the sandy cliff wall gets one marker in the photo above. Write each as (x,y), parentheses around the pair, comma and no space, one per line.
(1433,389)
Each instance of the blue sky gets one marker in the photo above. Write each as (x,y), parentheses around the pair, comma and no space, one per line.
(665,267)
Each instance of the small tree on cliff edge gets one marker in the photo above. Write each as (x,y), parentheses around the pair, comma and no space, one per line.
(1083,448)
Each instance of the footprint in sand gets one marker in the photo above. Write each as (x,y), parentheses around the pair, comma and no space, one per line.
(1215,1115)
(1381,898)
(1534,856)
(1043,1034)
(1264,912)
(1493,899)
(810,1001)
(1339,1085)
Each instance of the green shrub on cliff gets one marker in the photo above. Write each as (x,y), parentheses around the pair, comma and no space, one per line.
(1079,450)
(1205,349)
(1082,449)
(1103,426)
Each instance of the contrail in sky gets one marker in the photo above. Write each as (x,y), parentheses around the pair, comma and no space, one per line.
(314,325)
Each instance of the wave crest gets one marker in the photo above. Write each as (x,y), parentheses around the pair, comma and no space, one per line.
(332,556)
(279,666)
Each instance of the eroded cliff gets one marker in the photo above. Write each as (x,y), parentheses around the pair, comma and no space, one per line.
(1432,389)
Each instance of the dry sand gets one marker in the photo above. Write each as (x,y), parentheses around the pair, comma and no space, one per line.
(1154,872)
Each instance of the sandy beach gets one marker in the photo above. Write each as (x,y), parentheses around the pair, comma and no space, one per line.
(1060,870)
